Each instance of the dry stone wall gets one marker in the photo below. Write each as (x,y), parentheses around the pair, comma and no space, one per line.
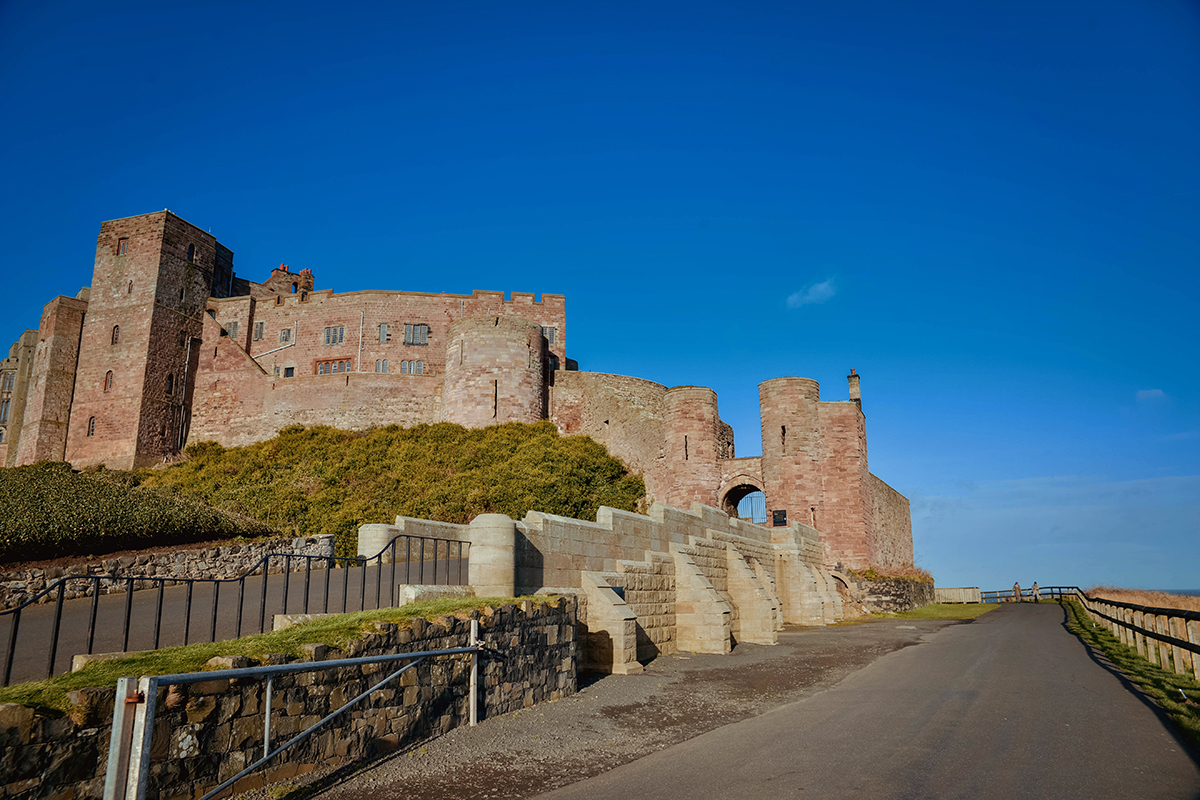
(211,731)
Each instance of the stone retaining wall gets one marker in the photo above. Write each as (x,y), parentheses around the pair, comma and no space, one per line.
(208,732)
(892,594)
(224,561)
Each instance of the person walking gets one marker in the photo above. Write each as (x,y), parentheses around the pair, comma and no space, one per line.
(1016,592)
(1037,597)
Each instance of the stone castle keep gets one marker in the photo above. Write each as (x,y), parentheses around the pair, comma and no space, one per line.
(169,346)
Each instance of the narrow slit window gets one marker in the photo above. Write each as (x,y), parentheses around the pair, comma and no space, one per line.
(108,381)
(122,247)
(116,334)
(91,429)
(170,384)
(191,257)
(259,330)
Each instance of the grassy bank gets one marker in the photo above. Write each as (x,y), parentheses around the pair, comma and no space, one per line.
(49,511)
(931,611)
(1166,688)
(334,631)
(310,481)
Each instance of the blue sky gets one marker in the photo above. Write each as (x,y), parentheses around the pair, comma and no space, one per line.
(991,210)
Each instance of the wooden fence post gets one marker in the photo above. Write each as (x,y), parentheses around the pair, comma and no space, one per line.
(1183,659)
(1193,636)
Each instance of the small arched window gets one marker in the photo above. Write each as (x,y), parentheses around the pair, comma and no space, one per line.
(92,425)
(170,384)
(108,381)
(183,338)
(129,290)
(191,253)
(295,286)
(116,337)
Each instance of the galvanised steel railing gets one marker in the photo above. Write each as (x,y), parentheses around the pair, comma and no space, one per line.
(412,551)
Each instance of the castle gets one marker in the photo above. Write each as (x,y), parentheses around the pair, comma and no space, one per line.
(168,346)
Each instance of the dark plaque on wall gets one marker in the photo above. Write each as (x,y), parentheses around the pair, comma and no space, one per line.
(779,519)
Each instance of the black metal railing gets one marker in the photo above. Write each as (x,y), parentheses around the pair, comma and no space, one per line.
(441,561)
(1046,593)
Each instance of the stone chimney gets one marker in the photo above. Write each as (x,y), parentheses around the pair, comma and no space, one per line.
(855,392)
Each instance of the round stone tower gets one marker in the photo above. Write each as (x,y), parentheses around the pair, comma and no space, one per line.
(495,372)
(791,443)
(692,426)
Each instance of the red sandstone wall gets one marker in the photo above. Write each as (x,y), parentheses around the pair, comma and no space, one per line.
(495,372)
(17,368)
(844,516)
(622,413)
(48,403)
(791,459)
(692,435)
(154,293)
(891,543)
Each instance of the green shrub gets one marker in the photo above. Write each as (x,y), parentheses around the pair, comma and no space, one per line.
(47,511)
(309,481)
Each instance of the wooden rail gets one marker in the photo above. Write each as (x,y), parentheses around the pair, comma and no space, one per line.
(1169,638)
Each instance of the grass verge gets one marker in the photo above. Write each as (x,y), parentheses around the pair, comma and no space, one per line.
(334,631)
(931,611)
(1166,688)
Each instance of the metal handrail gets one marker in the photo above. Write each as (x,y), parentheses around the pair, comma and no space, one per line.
(59,587)
(128,768)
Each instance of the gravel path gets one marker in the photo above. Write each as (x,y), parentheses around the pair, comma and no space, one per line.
(616,719)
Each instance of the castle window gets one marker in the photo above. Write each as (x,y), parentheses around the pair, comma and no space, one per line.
(191,253)
(122,246)
(181,293)
(416,334)
(4,410)
(384,335)
(335,335)
(553,362)
(381,366)
(285,335)
(108,381)
(91,426)
(295,286)
(231,327)
(333,367)
(129,289)
(116,337)
(289,372)
(1,436)
(6,383)
(258,330)
(170,384)
(549,333)
(183,338)
(412,367)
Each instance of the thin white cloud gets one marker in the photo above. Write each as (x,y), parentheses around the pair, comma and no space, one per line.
(1150,394)
(813,294)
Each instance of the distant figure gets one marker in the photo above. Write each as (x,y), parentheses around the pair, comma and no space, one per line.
(1016,592)
(1037,597)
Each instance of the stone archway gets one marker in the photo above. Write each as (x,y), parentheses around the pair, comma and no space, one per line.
(735,490)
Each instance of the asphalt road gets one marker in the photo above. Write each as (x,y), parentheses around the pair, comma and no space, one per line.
(1008,706)
(1011,706)
(358,588)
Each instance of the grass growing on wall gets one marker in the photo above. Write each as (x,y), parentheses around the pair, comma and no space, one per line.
(48,511)
(334,631)
(1169,690)
(309,481)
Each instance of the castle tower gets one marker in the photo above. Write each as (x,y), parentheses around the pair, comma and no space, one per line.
(139,347)
(495,372)
(791,439)
(43,434)
(691,428)
(16,375)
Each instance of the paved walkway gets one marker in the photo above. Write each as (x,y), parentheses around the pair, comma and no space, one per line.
(1008,706)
